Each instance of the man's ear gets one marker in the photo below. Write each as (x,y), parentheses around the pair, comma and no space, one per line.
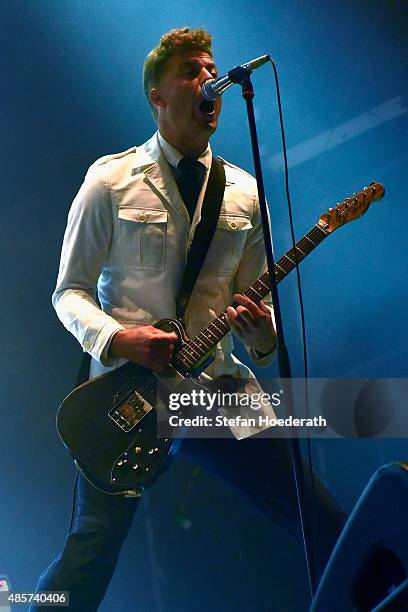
(156,98)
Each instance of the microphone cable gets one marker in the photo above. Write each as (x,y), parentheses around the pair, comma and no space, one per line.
(311,499)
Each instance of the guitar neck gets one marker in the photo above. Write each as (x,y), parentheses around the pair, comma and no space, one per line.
(196,349)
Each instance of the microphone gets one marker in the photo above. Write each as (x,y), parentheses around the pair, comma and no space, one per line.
(214,88)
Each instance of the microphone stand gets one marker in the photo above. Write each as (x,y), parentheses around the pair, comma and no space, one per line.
(241,76)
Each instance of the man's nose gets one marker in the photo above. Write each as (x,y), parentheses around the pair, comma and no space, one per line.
(205,76)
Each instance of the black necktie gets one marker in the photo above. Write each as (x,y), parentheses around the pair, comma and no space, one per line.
(190,182)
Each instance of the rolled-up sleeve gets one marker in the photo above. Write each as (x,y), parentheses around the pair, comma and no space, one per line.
(85,248)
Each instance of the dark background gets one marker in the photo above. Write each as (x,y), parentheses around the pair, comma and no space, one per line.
(71,92)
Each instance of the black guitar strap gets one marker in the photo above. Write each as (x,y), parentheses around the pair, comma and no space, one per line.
(203,236)
(204,233)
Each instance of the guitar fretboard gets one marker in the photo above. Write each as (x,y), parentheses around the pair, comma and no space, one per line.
(205,342)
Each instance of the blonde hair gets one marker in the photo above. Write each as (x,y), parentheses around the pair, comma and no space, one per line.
(173,42)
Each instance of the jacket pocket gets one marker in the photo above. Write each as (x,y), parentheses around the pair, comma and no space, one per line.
(143,235)
(227,244)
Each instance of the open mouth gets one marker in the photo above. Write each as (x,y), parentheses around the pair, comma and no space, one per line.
(206,108)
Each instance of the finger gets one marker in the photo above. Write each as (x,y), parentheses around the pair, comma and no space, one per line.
(231,313)
(162,351)
(251,321)
(237,329)
(264,307)
(169,335)
(249,304)
(245,319)
(245,314)
(165,339)
(233,319)
(159,360)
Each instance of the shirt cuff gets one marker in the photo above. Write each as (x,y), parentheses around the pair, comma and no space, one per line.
(100,348)
(262,360)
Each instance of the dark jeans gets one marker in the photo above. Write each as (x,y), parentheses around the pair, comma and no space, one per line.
(259,468)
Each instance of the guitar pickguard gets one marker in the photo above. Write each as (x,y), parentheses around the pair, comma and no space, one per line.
(129,412)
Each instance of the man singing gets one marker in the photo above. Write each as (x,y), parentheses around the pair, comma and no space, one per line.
(127,238)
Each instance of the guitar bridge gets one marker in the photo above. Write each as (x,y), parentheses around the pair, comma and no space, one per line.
(129,412)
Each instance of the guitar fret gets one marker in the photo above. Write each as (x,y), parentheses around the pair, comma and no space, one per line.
(293,254)
(287,257)
(210,332)
(284,265)
(300,250)
(259,288)
(310,240)
(201,352)
(186,349)
(305,247)
(317,234)
(256,292)
(221,323)
(184,356)
(223,319)
(214,325)
(203,339)
(200,344)
(190,347)
(321,229)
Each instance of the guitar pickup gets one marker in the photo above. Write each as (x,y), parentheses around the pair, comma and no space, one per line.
(128,412)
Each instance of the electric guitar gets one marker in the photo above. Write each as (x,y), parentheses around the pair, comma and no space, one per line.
(109,423)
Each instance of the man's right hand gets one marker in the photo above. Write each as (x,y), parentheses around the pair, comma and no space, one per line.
(147,346)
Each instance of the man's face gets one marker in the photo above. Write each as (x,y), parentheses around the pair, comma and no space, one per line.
(181,114)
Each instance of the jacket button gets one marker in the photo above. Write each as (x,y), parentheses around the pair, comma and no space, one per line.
(142,218)
(233,225)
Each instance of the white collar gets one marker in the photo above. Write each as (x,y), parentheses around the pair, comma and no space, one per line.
(173,156)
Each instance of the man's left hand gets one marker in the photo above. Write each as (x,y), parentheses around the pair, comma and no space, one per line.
(252,323)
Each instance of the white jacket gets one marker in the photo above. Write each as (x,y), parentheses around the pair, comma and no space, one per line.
(128,233)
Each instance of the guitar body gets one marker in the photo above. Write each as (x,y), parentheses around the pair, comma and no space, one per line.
(108,424)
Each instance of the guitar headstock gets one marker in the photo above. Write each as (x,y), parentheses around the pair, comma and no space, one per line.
(351,208)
